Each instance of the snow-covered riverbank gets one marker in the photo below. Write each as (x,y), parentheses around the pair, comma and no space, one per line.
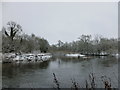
(74,55)
(12,57)
(77,55)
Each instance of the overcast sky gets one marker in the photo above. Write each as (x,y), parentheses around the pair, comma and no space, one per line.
(64,21)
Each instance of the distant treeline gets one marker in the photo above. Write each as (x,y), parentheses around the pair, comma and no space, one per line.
(14,40)
(87,45)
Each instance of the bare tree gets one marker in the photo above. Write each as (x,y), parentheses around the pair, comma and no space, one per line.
(12,29)
(10,32)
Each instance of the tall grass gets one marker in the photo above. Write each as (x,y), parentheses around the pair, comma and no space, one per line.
(89,84)
(56,82)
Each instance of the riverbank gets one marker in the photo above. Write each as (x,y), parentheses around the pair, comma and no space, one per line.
(77,55)
(23,58)
(30,57)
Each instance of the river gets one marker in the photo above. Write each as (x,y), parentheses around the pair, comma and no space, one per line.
(40,75)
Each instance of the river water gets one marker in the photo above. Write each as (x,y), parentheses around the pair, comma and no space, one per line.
(40,75)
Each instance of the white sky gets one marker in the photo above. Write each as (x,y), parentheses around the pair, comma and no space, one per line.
(64,21)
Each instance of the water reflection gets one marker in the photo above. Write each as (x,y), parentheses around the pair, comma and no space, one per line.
(11,70)
(107,61)
(40,74)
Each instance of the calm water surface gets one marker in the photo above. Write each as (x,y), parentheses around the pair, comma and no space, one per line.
(40,75)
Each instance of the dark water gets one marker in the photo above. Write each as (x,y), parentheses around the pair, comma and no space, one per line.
(40,75)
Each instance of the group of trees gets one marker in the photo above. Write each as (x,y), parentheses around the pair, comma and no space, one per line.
(15,41)
(87,45)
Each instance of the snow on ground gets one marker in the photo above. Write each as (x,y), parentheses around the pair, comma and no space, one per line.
(74,55)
